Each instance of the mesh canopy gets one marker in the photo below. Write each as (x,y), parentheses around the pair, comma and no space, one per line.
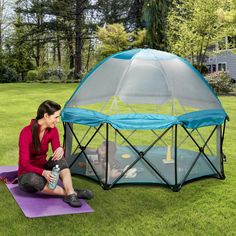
(146,77)
(142,81)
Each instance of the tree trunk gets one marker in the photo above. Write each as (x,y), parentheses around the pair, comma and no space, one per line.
(69,38)
(37,57)
(0,42)
(38,45)
(58,51)
(0,36)
(54,54)
(71,55)
(1,19)
(78,40)
(88,57)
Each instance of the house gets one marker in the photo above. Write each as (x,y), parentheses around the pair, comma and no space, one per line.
(225,60)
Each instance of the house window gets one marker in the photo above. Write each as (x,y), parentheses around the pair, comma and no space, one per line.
(209,68)
(222,67)
(213,68)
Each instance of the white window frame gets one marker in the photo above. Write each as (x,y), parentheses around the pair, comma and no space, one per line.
(217,66)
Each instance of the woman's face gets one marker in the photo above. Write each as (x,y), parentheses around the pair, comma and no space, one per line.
(52,120)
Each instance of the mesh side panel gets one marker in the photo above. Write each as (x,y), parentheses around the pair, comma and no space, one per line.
(157,165)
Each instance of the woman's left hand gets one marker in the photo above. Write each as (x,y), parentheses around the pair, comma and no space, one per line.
(58,154)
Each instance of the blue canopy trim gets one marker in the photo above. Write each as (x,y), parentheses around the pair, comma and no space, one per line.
(203,118)
(126,55)
(83,116)
(145,54)
(143,121)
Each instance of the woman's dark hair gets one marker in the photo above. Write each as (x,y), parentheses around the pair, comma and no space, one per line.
(48,107)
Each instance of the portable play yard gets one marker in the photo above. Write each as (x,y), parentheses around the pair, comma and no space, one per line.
(153,115)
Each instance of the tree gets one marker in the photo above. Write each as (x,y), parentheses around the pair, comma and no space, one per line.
(79,19)
(113,11)
(135,20)
(5,20)
(230,12)
(155,14)
(192,26)
(113,38)
(62,33)
(227,16)
(34,26)
(53,23)
(18,57)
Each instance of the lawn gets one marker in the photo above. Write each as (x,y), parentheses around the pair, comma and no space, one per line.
(204,207)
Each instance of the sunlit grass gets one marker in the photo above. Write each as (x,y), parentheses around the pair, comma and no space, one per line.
(205,207)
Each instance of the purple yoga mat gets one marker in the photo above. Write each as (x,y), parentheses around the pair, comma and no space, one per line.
(40,205)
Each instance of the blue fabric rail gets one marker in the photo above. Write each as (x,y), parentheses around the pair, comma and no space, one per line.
(202,118)
(143,121)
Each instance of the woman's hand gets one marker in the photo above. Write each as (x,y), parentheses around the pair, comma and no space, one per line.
(58,154)
(47,174)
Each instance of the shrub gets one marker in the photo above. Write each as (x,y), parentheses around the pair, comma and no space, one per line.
(220,82)
(201,68)
(51,74)
(32,75)
(7,75)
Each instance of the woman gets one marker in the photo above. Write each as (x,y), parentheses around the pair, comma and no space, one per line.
(34,171)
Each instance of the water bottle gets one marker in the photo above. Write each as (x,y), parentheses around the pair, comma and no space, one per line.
(55,173)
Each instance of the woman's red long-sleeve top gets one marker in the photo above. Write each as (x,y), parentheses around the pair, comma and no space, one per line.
(29,159)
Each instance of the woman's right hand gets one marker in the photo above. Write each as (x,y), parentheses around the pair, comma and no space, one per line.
(47,174)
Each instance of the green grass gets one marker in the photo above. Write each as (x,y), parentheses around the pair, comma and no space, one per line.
(205,207)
